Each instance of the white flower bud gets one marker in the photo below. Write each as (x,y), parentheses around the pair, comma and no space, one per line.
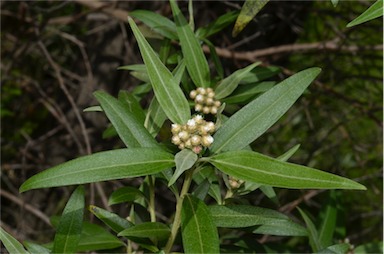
(214,110)
(209,101)
(206,110)
(183,135)
(210,127)
(198,119)
(195,140)
(211,95)
(201,90)
(188,143)
(191,123)
(181,146)
(193,94)
(199,98)
(198,107)
(176,128)
(209,90)
(207,140)
(217,104)
(176,140)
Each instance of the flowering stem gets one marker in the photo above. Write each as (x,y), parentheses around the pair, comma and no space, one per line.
(152,198)
(177,219)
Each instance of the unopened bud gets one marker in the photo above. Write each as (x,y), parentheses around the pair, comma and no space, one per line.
(193,94)
(207,140)
(197,149)
(183,135)
(176,140)
(195,140)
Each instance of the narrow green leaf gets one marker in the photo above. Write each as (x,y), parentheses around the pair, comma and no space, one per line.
(328,225)
(155,117)
(374,11)
(247,13)
(240,216)
(217,25)
(341,248)
(184,160)
(335,2)
(11,244)
(218,67)
(35,248)
(134,67)
(102,166)
(127,125)
(167,91)
(198,230)
(202,189)
(245,93)
(112,220)
(288,154)
(132,105)
(157,22)
(68,231)
(195,60)
(208,173)
(95,237)
(124,194)
(258,168)
(260,73)
(312,232)
(256,117)
(93,109)
(281,228)
(147,230)
(230,83)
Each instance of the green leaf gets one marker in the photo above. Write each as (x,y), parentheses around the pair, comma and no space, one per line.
(124,194)
(157,22)
(184,160)
(240,216)
(93,109)
(95,237)
(217,25)
(230,83)
(247,92)
(35,248)
(127,125)
(102,166)
(11,244)
(132,105)
(164,86)
(112,220)
(208,173)
(372,247)
(193,54)
(374,11)
(258,168)
(69,230)
(155,117)
(218,67)
(256,117)
(341,248)
(335,2)
(260,73)
(198,230)
(312,232)
(248,11)
(147,230)
(328,225)
(281,228)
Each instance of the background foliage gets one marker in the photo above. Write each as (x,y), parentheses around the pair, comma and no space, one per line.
(55,54)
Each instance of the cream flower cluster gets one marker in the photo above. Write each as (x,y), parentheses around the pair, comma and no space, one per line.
(205,100)
(194,135)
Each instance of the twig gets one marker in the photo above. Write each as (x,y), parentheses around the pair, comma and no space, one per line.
(28,207)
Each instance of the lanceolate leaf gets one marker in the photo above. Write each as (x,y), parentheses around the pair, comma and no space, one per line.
(374,11)
(167,91)
(127,125)
(124,194)
(184,160)
(258,168)
(147,230)
(102,166)
(282,228)
(155,117)
(256,117)
(11,244)
(193,54)
(312,232)
(69,229)
(35,248)
(132,104)
(239,216)
(199,232)
(248,11)
(157,22)
(229,84)
(112,220)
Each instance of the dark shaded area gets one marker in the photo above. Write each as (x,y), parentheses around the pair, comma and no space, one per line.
(55,54)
